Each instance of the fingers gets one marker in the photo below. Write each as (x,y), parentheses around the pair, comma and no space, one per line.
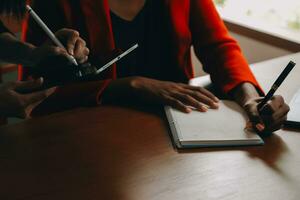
(276,125)
(204,92)
(279,113)
(185,97)
(55,51)
(27,85)
(282,112)
(275,113)
(272,115)
(69,37)
(190,101)
(81,52)
(25,103)
(198,97)
(71,42)
(75,45)
(203,99)
(177,95)
(175,103)
(45,52)
(37,97)
(195,100)
(273,105)
(254,117)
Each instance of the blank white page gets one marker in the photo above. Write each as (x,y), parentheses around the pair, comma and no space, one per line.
(224,126)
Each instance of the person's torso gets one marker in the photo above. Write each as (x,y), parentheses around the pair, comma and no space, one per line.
(150,30)
(166,51)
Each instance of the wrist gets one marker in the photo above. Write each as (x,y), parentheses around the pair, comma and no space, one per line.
(121,88)
(135,83)
(15,51)
(27,54)
(244,93)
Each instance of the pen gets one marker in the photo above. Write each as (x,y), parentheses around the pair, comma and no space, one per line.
(276,84)
(117,58)
(50,34)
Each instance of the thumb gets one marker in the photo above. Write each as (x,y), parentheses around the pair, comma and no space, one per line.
(55,51)
(23,86)
(37,97)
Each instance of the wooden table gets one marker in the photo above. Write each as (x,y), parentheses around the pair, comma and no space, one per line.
(126,153)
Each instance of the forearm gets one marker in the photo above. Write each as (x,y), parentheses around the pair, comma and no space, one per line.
(14,51)
(120,90)
(244,92)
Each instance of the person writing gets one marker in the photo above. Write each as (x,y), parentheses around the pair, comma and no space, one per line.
(158,71)
(13,101)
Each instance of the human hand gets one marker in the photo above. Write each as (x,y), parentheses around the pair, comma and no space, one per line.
(15,104)
(271,117)
(71,39)
(37,55)
(178,95)
(74,44)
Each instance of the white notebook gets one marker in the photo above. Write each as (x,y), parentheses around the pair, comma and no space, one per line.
(215,128)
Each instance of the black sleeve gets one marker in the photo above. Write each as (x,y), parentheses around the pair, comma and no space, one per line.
(3,29)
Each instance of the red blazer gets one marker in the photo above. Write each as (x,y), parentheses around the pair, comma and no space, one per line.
(192,22)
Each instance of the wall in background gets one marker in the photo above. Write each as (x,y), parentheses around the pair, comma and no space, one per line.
(255,51)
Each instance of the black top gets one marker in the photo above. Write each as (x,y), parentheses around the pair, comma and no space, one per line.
(3,28)
(148,29)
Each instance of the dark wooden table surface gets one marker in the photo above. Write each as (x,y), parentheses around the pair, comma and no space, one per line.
(124,153)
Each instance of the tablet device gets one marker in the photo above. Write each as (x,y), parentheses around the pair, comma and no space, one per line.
(293,119)
(58,71)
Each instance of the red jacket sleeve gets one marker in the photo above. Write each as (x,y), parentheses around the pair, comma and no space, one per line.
(217,50)
(68,96)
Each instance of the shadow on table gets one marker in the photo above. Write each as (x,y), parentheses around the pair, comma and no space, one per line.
(269,153)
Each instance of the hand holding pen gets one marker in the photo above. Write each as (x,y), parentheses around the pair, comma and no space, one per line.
(36,55)
(75,45)
(50,34)
(75,49)
(269,113)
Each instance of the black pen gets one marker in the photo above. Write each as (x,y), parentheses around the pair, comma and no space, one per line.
(276,85)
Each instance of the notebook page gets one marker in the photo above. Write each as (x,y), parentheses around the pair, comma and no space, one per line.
(225,124)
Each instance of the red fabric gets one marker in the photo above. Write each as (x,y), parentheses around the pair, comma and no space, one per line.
(192,22)
(217,50)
